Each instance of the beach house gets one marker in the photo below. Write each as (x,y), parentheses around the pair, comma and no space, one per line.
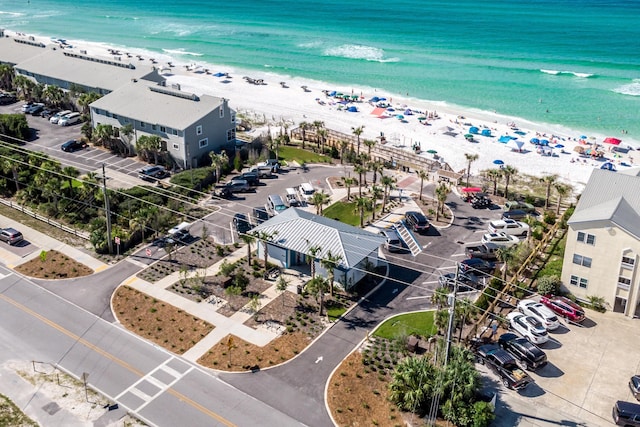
(189,125)
(294,234)
(602,252)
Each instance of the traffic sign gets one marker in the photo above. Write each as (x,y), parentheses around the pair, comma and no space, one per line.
(117,239)
(148,251)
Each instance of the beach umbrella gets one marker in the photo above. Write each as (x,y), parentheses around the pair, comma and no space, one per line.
(382,99)
(612,141)
(583,136)
(544,142)
(432,151)
(534,141)
(473,130)
(399,116)
(422,118)
(408,112)
(559,146)
(374,99)
(498,162)
(504,139)
(608,166)
(468,135)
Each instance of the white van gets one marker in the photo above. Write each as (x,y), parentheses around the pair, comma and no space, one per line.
(69,119)
(292,198)
(56,117)
(275,204)
(306,191)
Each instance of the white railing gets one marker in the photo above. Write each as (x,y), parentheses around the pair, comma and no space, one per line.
(82,234)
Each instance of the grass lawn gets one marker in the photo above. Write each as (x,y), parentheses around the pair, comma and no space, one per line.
(299,155)
(407,324)
(345,212)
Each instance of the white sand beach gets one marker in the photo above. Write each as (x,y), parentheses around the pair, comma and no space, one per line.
(282,98)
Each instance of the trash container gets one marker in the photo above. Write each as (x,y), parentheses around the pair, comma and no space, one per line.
(299,289)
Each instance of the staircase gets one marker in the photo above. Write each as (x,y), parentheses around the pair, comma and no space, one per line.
(408,238)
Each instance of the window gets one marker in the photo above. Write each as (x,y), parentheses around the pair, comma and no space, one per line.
(582,260)
(199,130)
(231,134)
(176,146)
(628,261)
(174,131)
(115,116)
(589,239)
(163,129)
(203,142)
(153,127)
(221,112)
(624,283)
(579,281)
(142,125)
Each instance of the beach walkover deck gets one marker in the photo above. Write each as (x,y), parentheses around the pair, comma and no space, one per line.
(399,156)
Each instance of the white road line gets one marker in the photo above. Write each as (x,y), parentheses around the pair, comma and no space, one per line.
(429,282)
(461,254)
(421,297)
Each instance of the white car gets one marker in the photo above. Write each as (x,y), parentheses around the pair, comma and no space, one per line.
(509,226)
(544,314)
(500,239)
(69,119)
(54,119)
(529,327)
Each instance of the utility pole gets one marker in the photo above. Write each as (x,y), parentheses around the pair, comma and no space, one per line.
(107,210)
(451,316)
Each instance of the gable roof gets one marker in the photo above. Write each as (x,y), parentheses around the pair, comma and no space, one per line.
(608,198)
(155,104)
(298,230)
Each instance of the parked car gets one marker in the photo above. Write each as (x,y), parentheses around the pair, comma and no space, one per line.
(69,119)
(504,365)
(474,265)
(252,178)
(626,414)
(487,251)
(182,237)
(481,202)
(48,112)
(7,98)
(516,214)
(25,107)
(564,307)
(528,355)
(529,327)
(416,221)
(292,200)
(634,386)
(34,108)
(260,214)
(273,163)
(466,282)
(500,239)
(238,186)
(57,116)
(241,223)
(514,205)
(73,145)
(509,226)
(393,242)
(223,193)
(541,312)
(153,172)
(11,236)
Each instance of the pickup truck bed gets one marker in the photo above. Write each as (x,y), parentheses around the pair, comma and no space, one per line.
(485,251)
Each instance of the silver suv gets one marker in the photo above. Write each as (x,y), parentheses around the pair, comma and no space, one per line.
(11,236)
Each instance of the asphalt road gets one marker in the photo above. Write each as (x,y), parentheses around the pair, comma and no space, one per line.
(161,388)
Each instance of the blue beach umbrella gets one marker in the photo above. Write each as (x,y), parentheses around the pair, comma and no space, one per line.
(498,162)
(535,141)
(559,146)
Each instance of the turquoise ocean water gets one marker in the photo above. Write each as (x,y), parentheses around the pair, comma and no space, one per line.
(569,62)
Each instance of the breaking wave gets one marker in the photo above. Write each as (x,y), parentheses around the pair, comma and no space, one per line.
(569,73)
(632,89)
(355,51)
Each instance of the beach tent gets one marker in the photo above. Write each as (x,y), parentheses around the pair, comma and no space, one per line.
(408,112)
(608,166)
(486,132)
(612,141)
(515,144)
(504,139)
(352,109)
(474,130)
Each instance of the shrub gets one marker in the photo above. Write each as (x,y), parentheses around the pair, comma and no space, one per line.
(597,303)
(549,285)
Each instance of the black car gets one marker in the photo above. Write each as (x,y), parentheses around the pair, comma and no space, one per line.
(517,215)
(416,221)
(7,98)
(634,386)
(481,203)
(260,214)
(466,282)
(182,237)
(36,110)
(252,178)
(474,265)
(151,173)
(527,355)
(504,365)
(241,223)
(73,145)
(48,112)
(626,414)
(223,193)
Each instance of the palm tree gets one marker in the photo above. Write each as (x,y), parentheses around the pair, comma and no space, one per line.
(370,143)
(318,125)
(442,191)
(312,254)
(464,309)
(494,175)
(71,174)
(24,86)
(322,135)
(470,159)
(343,149)
(248,239)
(548,180)
(422,174)
(319,199)
(562,190)
(265,237)
(376,194)
(362,204)
(387,184)
(359,169)
(304,126)
(441,320)
(413,384)
(53,95)
(218,161)
(440,297)
(329,263)
(357,131)
(506,255)
(9,164)
(155,145)
(508,172)
(348,182)
(86,99)
(102,134)
(318,286)
(140,220)
(7,74)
